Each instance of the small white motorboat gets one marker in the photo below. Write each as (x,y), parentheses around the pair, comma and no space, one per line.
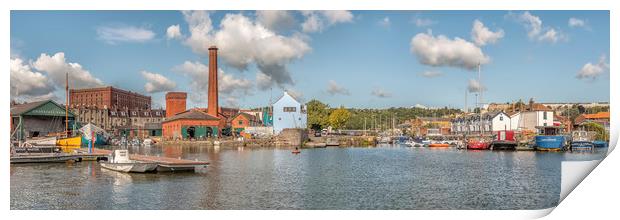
(148,142)
(120,162)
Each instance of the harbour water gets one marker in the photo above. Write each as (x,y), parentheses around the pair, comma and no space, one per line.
(387,177)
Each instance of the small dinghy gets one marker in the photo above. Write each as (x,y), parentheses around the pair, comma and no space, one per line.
(120,162)
(296,151)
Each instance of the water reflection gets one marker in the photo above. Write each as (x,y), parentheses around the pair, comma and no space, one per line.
(326,178)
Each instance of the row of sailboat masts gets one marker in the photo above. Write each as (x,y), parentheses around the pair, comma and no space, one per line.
(479,104)
(67,104)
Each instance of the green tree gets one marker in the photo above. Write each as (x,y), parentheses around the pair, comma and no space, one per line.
(601,134)
(318,114)
(339,117)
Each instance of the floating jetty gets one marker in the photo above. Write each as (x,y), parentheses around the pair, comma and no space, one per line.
(164,164)
(43,158)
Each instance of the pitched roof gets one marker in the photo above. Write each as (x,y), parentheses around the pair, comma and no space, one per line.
(22,108)
(193,114)
(246,115)
(539,107)
(289,95)
(599,115)
(510,114)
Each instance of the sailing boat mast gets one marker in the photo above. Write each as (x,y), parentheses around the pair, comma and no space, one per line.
(67,104)
(479,101)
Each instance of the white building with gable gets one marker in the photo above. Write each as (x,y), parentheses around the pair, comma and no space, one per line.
(288,113)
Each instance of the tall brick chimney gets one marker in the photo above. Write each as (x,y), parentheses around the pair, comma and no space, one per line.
(213,107)
(175,103)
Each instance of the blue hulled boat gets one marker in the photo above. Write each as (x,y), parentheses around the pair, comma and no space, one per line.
(581,140)
(549,139)
(600,144)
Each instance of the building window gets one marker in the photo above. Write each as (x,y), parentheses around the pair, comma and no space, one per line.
(290,109)
(240,122)
(545,115)
(501,118)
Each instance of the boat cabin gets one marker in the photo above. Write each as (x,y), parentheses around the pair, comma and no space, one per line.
(583,136)
(505,136)
(549,130)
(120,156)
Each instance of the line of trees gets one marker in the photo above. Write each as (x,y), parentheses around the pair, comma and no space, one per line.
(321,115)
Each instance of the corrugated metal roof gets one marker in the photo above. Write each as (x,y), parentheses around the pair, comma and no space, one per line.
(21,109)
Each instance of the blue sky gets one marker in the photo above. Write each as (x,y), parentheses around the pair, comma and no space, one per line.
(356,59)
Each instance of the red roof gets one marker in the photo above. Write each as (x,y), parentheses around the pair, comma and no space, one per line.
(600,115)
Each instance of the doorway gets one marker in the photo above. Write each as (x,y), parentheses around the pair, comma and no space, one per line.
(191,132)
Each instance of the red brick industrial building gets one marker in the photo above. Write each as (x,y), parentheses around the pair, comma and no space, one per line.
(108,97)
(243,120)
(195,123)
(175,103)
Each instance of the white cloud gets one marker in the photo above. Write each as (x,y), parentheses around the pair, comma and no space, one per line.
(157,83)
(421,22)
(263,81)
(442,51)
(334,89)
(431,73)
(200,26)
(576,22)
(56,67)
(312,24)
(299,96)
(27,84)
(592,71)
(475,86)
(231,102)
(385,22)
(228,84)
(242,42)
(380,93)
(124,33)
(276,20)
(316,21)
(481,35)
(337,16)
(551,35)
(532,23)
(536,30)
(174,32)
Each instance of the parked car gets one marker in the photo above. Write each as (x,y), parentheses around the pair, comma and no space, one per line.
(317,133)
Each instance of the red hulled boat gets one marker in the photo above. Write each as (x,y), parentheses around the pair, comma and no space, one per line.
(478,145)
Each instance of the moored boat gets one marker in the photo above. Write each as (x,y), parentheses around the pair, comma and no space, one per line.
(477,144)
(549,139)
(120,162)
(70,143)
(581,140)
(504,140)
(600,144)
(438,145)
(45,141)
